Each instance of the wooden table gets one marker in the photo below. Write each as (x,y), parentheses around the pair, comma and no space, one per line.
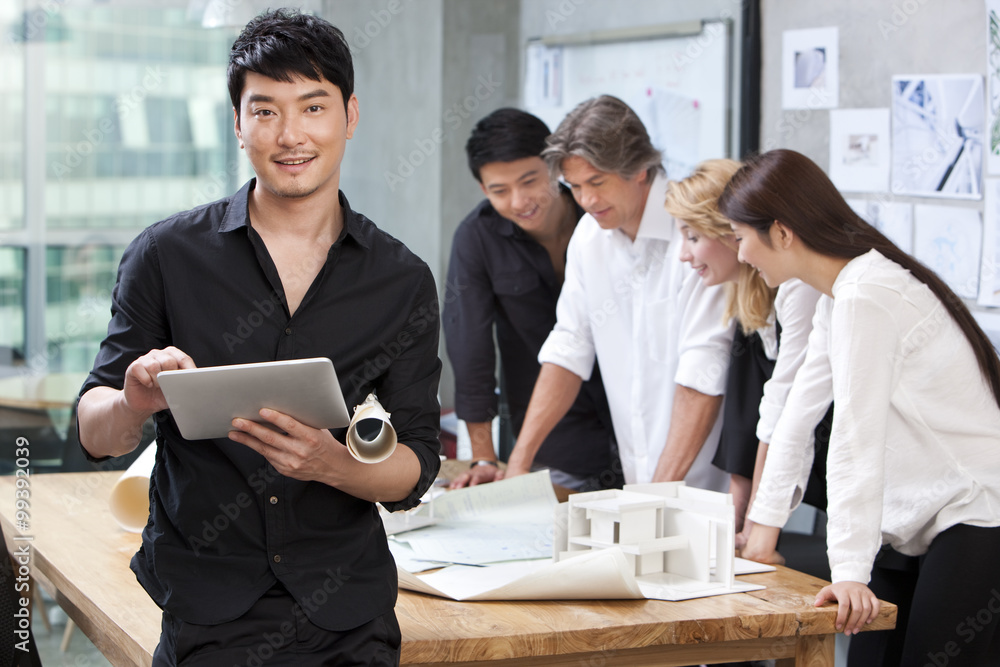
(32,401)
(50,391)
(81,557)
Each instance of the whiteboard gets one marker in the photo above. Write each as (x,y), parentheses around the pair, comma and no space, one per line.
(678,86)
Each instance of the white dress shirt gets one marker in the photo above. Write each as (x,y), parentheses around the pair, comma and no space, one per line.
(651,323)
(915,445)
(794,308)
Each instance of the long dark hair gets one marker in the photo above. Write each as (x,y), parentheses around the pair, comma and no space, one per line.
(789,187)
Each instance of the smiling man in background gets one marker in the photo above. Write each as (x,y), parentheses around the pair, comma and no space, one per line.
(507,265)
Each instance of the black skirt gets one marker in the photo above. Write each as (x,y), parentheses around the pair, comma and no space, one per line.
(749,369)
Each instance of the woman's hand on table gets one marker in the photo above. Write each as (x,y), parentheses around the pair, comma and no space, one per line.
(858,606)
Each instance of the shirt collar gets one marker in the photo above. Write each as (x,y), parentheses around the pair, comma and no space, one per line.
(238,215)
(656,223)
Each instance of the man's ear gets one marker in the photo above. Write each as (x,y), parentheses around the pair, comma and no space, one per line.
(353,115)
(483,188)
(782,235)
(236,126)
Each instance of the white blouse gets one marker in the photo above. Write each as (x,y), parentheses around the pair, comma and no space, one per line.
(915,445)
(794,307)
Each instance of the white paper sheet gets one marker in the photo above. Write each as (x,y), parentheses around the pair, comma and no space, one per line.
(938,123)
(595,575)
(948,240)
(894,219)
(989,272)
(859,149)
(810,69)
(993,86)
(543,76)
(599,573)
(489,523)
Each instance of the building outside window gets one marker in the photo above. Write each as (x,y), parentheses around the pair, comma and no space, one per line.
(116,116)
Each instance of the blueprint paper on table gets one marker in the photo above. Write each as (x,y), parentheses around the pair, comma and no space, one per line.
(597,575)
(488,523)
(602,573)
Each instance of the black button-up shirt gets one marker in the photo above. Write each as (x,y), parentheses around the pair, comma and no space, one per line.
(224,526)
(498,276)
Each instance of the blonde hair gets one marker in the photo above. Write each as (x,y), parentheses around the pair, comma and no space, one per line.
(694,200)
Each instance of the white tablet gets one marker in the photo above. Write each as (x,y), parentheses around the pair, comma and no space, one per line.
(204,401)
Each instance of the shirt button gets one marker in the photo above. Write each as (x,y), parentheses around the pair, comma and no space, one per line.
(277,558)
(288,331)
(274,500)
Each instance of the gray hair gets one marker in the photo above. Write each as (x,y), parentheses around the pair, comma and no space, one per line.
(605,132)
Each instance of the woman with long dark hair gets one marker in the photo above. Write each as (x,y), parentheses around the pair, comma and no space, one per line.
(914,458)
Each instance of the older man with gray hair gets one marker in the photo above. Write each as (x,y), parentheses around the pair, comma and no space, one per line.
(656,330)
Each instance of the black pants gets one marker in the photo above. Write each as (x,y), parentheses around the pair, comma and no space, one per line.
(275,633)
(949,604)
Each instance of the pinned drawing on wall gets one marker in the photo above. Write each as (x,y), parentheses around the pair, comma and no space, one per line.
(543,76)
(993,85)
(859,149)
(989,272)
(894,219)
(938,123)
(948,239)
(810,71)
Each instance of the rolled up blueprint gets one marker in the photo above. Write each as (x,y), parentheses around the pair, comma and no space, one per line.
(370,436)
(129,500)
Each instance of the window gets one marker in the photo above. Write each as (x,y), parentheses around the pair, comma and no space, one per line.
(11,304)
(116,116)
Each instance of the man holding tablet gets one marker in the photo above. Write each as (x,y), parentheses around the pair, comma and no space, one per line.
(283,269)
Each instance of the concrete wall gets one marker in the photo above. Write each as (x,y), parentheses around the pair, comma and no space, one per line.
(392,169)
(877,40)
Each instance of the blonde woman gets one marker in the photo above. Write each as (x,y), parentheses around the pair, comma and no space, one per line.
(770,343)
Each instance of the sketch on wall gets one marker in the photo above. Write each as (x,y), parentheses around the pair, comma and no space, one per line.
(938,122)
(993,85)
(859,149)
(989,273)
(810,72)
(894,219)
(948,240)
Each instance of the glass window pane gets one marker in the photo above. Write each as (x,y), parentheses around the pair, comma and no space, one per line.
(79,280)
(137,127)
(11,306)
(12,112)
(135,100)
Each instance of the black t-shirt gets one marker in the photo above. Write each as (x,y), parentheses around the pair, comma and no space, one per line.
(224,525)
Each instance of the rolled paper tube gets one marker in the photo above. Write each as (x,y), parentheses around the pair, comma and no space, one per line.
(129,500)
(370,436)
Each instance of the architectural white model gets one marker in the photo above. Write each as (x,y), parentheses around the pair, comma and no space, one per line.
(671,535)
